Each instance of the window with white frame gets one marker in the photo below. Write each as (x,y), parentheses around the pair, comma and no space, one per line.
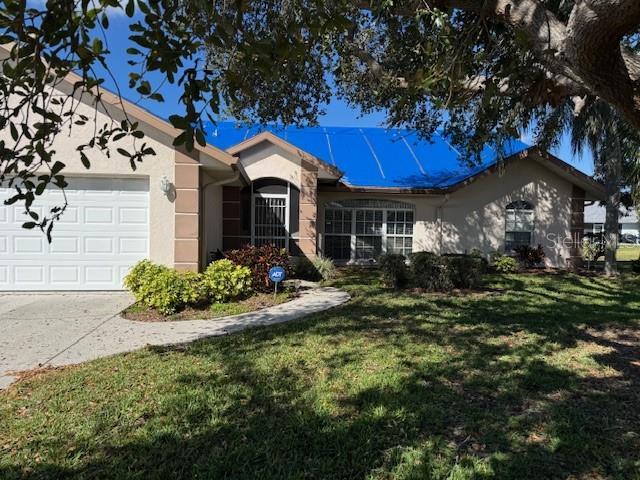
(337,228)
(363,229)
(400,231)
(519,225)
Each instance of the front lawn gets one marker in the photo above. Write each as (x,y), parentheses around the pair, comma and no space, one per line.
(534,376)
(626,253)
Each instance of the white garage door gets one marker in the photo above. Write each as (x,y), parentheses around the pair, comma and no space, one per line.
(104,231)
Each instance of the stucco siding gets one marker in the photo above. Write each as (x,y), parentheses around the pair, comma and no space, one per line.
(474,216)
(212,211)
(268,160)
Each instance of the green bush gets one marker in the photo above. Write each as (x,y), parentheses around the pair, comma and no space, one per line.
(224,280)
(394,270)
(476,253)
(505,264)
(140,274)
(315,269)
(260,260)
(465,271)
(163,288)
(430,272)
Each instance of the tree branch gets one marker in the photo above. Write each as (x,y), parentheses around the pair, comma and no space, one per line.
(586,51)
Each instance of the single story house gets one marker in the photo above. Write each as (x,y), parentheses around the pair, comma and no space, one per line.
(346,193)
(628,225)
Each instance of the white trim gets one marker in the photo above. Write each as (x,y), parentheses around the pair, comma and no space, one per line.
(383,235)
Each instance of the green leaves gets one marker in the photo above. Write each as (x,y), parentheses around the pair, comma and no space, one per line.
(130,8)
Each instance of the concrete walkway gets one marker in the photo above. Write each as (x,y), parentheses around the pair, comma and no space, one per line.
(62,329)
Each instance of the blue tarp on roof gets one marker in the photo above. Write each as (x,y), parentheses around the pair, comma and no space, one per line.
(373,157)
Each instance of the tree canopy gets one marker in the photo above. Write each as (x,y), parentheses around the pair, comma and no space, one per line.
(478,71)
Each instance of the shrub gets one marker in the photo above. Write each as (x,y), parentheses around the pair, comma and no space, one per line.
(591,250)
(465,271)
(430,271)
(224,280)
(476,253)
(530,256)
(140,274)
(193,288)
(317,268)
(505,264)
(635,265)
(259,260)
(394,270)
(163,288)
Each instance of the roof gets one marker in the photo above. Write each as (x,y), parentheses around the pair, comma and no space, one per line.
(596,214)
(372,157)
(393,160)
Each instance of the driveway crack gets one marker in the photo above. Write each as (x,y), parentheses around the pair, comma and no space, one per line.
(82,337)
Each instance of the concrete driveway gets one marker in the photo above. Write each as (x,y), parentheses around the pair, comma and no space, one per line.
(37,328)
(66,328)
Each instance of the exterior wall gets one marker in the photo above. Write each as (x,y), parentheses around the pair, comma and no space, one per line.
(232,234)
(211,209)
(577,226)
(474,216)
(161,206)
(267,160)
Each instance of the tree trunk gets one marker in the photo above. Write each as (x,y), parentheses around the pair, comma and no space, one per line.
(612,180)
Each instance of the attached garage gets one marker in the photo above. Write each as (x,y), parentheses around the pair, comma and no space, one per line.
(104,231)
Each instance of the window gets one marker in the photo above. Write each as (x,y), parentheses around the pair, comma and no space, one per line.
(368,247)
(519,225)
(338,247)
(362,230)
(337,221)
(399,232)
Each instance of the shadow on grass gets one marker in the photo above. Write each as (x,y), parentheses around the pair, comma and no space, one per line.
(542,381)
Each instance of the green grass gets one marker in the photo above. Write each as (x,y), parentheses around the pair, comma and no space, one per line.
(536,377)
(627,253)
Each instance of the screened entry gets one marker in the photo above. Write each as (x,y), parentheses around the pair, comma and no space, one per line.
(361,230)
(274,212)
(270,220)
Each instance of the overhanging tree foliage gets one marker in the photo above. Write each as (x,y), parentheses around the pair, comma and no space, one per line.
(615,146)
(479,70)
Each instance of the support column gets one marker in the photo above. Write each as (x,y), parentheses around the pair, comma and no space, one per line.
(187,211)
(577,226)
(308,235)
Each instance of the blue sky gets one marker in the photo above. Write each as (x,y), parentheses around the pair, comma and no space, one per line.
(337,113)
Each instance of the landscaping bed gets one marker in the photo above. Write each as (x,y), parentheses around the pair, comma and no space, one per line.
(258,301)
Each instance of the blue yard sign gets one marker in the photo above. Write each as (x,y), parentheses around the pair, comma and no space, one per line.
(276,275)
